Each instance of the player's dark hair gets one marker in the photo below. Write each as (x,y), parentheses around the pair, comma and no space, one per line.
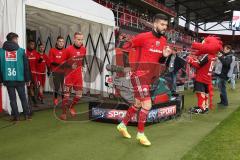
(59,37)
(160,16)
(30,40)
(40,44)
(10,36)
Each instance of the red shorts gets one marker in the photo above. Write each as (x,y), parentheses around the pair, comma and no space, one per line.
(41,79)
(141,87)
(74,81)
(142,76)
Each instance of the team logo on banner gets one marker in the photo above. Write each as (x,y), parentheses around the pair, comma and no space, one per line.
(11,56)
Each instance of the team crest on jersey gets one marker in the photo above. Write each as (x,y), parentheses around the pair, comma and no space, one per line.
(11,56)
(157,43)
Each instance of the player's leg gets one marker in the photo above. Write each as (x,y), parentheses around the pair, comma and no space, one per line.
(41,86)
(207,101)
(32,88)
(75,100)
(61,80)
(201,97)
(67,90)
(56,82)
(200,90)
(142,118)
(132,110)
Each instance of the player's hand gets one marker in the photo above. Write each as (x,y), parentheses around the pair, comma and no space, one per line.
(190,59)
(74,66)
(167,51)
(219,54)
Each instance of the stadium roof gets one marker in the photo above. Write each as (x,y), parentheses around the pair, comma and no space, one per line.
(205,10)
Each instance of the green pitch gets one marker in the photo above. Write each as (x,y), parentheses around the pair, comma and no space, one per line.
(192,137)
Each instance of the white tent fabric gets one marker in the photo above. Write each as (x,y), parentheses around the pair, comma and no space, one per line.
(50,18)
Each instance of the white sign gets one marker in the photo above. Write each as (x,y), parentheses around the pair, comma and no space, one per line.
(236,21)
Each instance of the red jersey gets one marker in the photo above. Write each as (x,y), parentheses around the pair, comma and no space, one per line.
(149,51)
(75,56)
(149,48)
(204,67)
(32,58)
(41,66)
(57,56)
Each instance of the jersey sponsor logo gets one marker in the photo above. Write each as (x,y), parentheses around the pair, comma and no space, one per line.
(58,57)
(155,50)
(11,56)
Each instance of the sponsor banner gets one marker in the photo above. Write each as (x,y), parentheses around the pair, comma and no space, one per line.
(114,114)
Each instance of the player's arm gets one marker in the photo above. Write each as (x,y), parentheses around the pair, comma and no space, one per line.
(137,41)
(67,64)
(84,57)
(197,63)
(165,53)
(39,59)
(47,64)
(51,59)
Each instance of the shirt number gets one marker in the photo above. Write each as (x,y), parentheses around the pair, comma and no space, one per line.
(211,67)
(12,72)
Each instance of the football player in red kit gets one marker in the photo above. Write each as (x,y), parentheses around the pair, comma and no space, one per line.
(32,58)
(42,65)
(203,61)
(57,57)
(73,78)
(150,49)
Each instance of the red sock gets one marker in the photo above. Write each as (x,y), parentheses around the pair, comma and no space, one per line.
(201,101)
(64,103)
(142,117)
(130,112)
(75,101)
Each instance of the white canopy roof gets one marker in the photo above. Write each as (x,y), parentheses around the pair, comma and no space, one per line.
(84,9)
(12,14)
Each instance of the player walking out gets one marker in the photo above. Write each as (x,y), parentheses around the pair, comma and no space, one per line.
(150,48)
(73,78)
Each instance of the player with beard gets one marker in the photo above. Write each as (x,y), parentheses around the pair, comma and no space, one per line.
(150,49)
